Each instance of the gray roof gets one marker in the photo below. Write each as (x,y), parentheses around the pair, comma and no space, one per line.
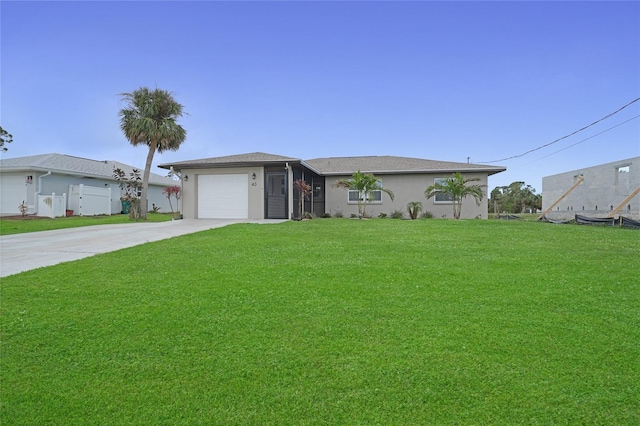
(75,166)
(231,160)
(387,164)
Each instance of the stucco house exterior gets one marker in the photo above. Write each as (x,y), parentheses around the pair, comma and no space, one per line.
(595,191)
(260,185)
(25,178)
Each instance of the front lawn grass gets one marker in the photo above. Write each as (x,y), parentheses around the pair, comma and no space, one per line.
(333,321)
(15,225)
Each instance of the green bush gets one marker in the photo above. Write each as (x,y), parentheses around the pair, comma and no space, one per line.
(397,214)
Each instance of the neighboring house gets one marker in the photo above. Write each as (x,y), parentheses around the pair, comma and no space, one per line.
(594,191)
(260,186)
(24,178)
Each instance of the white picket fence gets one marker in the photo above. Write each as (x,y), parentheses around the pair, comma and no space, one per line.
(89,200)
(52,205)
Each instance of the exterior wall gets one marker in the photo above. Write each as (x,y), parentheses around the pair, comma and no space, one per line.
(190,189)
(157,197)
(603,189)
(406,188)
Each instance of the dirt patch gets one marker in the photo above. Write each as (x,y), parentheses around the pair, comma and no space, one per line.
(27,217)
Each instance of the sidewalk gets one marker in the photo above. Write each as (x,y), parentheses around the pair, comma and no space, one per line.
(23,252)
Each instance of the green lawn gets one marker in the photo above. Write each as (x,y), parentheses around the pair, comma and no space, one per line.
(10,226)
(333,321)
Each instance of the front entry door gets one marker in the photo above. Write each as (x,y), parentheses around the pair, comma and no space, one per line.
(276,195)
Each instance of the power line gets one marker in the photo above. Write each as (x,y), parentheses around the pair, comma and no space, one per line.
(579,142)
(590,137)
(564,137)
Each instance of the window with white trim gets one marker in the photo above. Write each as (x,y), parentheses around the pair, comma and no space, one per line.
(440,197)
(375,196)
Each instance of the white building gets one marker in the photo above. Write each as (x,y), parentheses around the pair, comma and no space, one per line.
(23,179)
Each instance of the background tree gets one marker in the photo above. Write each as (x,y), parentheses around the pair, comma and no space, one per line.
(518,197)
(5,138)
(456,187)
(365,184)
(150,119)
(304,190)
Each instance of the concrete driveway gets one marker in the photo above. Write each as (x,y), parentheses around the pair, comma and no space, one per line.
(23,252)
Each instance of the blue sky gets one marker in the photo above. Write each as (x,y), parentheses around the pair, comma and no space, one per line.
(436,80)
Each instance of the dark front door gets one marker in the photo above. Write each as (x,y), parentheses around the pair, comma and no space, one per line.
(276,195)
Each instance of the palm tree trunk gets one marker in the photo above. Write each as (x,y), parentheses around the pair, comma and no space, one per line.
(145,180)
(457,208)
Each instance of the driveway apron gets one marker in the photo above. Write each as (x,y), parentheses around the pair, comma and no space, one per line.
(23,252)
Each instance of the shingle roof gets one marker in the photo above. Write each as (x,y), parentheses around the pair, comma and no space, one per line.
(391,164)
(77,166)
(232,160)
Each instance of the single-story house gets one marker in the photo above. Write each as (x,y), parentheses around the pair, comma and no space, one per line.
(26,178)
(260,186)
(595,191)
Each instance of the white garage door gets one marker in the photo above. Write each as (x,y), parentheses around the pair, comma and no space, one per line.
(223,196)
(13,191)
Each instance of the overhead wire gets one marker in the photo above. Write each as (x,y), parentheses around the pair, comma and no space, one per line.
(564,137)
(579,142)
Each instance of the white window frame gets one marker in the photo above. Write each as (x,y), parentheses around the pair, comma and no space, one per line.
(441,198)
(354,195)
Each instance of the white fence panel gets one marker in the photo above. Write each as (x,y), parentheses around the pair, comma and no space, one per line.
(52,205)
(73,203)
(89,200)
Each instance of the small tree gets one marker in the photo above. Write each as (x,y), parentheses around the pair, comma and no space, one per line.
(172,191)
(414,208)
(456,187)
(365,184)
(24,208)
(304,190)
(130,185)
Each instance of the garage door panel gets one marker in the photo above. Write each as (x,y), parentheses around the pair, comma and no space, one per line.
(13,192)
(223,196)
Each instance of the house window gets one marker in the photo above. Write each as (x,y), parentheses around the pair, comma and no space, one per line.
(375,197)
(441,198)
(317,191)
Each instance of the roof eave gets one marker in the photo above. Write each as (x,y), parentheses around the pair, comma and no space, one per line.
(181,166)
(47,169)
(36,169)
(424,171)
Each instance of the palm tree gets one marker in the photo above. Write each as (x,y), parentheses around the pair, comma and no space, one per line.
(365,184)
(456,187)
(150,119)
(414,208)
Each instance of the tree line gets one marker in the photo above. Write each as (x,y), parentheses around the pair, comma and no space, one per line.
(518,197)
